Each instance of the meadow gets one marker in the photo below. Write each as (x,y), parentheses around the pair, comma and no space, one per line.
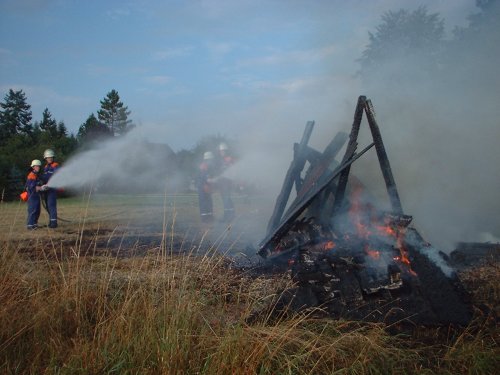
(136,285)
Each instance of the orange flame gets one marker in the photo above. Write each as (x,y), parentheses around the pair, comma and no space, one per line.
(375,254)
(358,211)
(329,245)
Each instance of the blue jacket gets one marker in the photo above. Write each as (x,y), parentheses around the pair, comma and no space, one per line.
(49,170)
(31,183)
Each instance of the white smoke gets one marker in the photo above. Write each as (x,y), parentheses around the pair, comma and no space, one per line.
(441,138)
(126,162)
(488,237)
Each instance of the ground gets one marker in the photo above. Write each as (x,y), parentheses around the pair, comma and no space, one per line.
(132,225)
(136,284)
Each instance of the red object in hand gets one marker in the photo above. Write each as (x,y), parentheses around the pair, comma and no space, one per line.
(24,196)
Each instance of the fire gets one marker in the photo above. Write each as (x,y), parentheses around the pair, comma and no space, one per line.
(369,224)
(386,230)
(324,246)
(375,254)
(356,212)
(329,245)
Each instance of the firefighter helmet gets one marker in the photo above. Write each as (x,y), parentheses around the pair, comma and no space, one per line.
(36,162)
(208,155)
(48,153)
(223,147)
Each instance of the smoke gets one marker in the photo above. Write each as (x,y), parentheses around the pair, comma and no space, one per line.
(429,252)
(127,164)
(441,134)
(488,237)
(440,127)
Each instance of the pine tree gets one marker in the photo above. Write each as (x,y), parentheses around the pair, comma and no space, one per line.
(92,129)
(113,114)
(62,131)
(48,124)
(15,116)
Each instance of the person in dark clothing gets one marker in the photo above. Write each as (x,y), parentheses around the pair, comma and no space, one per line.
(33,187)
(204,186)
(224,184)
(50,194)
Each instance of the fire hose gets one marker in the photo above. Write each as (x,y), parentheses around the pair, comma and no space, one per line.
(44,197)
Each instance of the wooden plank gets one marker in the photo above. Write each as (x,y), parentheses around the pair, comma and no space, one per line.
(294,170)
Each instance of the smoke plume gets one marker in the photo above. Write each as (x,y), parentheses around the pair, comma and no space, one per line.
(440,126)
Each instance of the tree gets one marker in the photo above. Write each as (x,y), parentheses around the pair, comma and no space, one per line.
(405,45)
(20,142)
(65,146)
(474,52)
(92,130)
(48,124)
(62,131)
(487,17)
(114,115)
(15,116)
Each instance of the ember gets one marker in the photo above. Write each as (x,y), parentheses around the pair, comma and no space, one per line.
(347,256)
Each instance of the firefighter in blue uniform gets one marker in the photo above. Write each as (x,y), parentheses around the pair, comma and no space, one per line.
(33,187)
(50,194)
(204,184)
(224,184)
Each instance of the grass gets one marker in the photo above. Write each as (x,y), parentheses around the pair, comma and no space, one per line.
(171,313)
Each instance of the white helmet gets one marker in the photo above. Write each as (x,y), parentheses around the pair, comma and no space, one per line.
(208,155)
(48,153)
(36,162)
(223,147)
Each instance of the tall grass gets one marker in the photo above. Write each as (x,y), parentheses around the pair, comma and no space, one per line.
(187,314)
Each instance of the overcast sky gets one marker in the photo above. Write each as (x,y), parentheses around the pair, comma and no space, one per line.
(191,68)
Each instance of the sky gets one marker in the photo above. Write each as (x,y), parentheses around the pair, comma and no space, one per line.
(187,69)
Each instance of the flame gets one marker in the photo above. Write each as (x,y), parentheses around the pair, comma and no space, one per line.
(386,230)
(356,212)
(324,246)
(372,253)
(329,245)
(368,223)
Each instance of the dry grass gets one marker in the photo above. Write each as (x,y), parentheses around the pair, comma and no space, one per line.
(182,314)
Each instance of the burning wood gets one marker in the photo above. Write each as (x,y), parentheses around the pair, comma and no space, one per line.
(347,256)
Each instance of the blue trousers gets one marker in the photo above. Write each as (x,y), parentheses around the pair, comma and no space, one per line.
(225,186)
(51,199)
(33,210)
(206,205)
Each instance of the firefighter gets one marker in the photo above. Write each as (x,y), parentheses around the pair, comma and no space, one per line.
(33,187)
(224,184)
(204,185)
(49,193)
(225,159)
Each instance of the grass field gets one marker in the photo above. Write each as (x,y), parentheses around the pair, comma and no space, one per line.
(136,285)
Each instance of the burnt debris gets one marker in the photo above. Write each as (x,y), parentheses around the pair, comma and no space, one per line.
(471,254)
(347,257)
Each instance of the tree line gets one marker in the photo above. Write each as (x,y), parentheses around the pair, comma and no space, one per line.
(411,48)
(22,140)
